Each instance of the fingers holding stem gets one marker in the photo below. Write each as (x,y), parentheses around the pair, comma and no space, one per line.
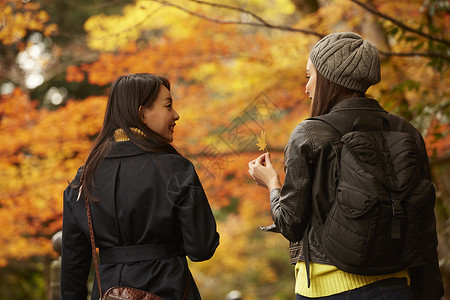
(263,172)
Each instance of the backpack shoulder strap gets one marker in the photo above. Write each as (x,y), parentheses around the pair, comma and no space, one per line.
(336,121)
(373,121)
(395,119)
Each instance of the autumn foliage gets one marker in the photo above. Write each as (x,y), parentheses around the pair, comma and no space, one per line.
(18,17)
(39,153)
(230,84)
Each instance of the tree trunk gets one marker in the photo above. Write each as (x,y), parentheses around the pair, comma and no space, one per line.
(306,6)
(372,30)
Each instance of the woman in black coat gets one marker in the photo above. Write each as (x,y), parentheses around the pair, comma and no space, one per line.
(148,207)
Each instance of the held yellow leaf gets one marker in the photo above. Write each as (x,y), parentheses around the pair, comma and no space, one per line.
(262,141)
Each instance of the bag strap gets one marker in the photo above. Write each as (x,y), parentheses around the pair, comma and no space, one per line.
(188,282)
(339,123)
(306,252)
(378,120)
(400,121)
(94,252)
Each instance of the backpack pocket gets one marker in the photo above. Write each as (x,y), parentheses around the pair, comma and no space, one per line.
(422,198)
(348,233)
(419,208)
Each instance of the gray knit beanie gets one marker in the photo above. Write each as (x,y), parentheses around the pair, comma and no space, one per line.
(348,60)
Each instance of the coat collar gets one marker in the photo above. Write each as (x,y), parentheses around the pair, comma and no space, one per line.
(127,148)
(357,103)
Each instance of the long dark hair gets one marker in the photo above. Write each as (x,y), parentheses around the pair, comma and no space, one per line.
(126,95)
(327,94)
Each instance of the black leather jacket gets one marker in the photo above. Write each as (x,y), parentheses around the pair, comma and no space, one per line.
(311,166)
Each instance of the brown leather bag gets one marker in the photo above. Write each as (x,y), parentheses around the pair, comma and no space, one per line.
(121,292)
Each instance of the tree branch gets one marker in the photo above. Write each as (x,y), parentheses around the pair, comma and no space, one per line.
(423,54)
(238,9)
(439,161)
(264,23)
(232,22)
(400,24)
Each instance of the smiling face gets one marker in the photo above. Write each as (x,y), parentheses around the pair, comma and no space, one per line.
(160,115)
(311,84)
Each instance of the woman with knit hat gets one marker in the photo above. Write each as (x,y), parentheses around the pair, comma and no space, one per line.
(341,67)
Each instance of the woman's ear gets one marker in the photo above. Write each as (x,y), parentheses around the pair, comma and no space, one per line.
(141,113)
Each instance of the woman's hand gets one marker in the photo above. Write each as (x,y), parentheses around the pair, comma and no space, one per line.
(263,172)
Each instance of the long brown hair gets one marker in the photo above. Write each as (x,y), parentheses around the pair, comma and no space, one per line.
(126,95)
(327,94)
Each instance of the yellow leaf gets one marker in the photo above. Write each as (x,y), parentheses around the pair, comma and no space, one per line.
(262,141)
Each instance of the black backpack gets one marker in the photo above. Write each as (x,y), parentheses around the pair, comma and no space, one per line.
(383,200)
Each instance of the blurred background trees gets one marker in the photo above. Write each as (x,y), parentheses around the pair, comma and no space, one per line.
(237,70)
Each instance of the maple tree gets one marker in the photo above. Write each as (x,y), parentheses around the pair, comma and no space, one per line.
(238,85)
(18,17)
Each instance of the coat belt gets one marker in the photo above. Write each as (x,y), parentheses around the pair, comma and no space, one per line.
(133,253)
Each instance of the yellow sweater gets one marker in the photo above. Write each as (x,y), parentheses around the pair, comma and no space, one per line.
(328,280)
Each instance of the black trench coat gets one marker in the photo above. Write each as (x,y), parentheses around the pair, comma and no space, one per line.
(144,198)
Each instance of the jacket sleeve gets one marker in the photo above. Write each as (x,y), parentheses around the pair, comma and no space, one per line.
(198,226)
(291,206)
(76,252)
(426,279)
